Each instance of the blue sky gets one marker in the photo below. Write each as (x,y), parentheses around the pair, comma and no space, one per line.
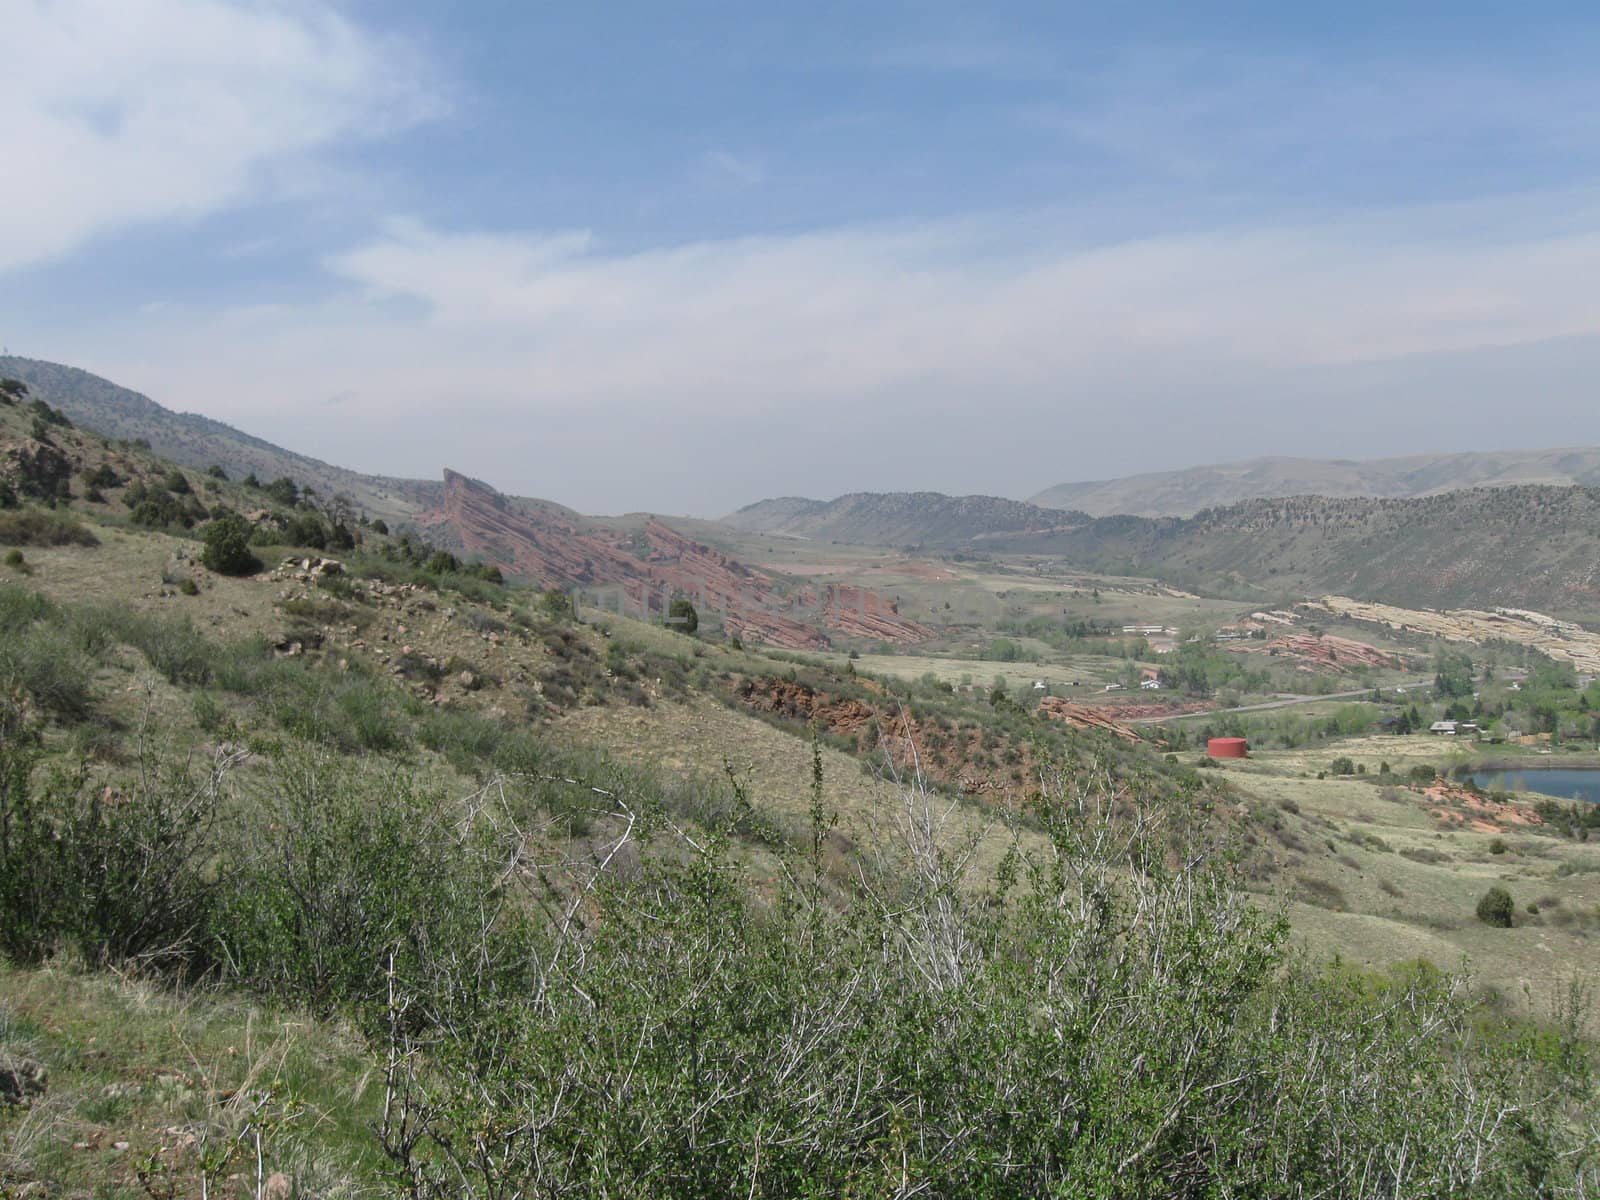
(679,257)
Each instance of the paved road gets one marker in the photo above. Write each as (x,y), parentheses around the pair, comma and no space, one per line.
(1411,689)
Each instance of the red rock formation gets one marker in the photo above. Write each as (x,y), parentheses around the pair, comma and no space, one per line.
(553,547)
(867,614)
(1082,717)
(1313,653)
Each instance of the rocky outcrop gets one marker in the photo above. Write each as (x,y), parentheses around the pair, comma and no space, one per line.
(861,612)
(554,547)
(1332,653)
(1082,717)
(1561,640)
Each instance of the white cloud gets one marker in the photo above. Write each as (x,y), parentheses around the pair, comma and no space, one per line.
(848,312)
(982,355)
(119,112)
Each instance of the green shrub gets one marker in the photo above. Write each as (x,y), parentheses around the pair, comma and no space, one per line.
(227,547)
(1495,908)
(173,645)
(119,875)
(467,740)
(442,562)
(42,662)
(1041,1038)
(344,868)
(156,508)
(49,416)
(681,615)
(306,529)
(283,489)
(41,527)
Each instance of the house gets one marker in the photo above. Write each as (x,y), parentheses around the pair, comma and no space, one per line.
(1446,728)
(1039,685)
(1150,685)
(1113,687)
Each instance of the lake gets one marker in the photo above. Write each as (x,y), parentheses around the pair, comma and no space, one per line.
(1573,785)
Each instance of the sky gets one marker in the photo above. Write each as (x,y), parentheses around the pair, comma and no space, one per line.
(678,258)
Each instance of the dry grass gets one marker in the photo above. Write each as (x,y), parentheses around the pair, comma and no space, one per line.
(142,1081)
(702,740)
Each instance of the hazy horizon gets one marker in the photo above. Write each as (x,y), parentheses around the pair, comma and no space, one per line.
(638,260)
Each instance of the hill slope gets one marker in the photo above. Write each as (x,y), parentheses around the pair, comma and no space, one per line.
(895,518)
(556,547)
(192,440)
(1537,547)
(1183,493)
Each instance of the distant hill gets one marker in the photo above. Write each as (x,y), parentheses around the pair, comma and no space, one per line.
(196,441)
(895,518)
(1183,493)
(543,543)
(1537,547)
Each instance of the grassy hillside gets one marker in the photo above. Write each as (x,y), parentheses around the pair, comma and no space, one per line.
(375,875)
(198,442)
(1183,493)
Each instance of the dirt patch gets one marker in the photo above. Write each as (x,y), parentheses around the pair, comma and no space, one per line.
(1464,808)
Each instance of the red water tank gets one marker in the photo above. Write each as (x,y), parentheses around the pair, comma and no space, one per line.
(1228,748)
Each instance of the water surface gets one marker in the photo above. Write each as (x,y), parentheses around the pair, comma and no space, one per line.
(1550,781)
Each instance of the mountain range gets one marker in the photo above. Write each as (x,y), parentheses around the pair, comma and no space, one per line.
(1184,493)
(897,518)
(1521,546)
(1502,542)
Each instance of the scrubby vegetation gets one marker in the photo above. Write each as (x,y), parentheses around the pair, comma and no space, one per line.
(499,964)
(667,1030)
(569,982)
(41,527)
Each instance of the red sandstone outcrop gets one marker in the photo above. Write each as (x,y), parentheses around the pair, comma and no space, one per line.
(1082,717)
(555,547)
